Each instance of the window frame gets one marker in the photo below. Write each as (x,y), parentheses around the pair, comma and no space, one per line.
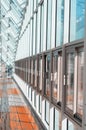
(72,48)
(57,52)
(40,90)
(48,53)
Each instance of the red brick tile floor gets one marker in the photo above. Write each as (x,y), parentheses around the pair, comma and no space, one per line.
(18,115)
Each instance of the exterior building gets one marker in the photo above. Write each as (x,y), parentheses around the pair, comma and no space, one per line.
(50,65)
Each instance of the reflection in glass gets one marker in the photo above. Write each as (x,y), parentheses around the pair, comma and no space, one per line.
(40,74)
(47,76)
(77,19)
(56,120)
(55,77)
(49,17)
(70,81)
(31,71)
(40,104)
(80,83)
(71,126)
(35,98)
(42,25)
(47,112)
(36,72)
(59,22)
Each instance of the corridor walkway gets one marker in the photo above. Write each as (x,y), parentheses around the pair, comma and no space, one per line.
(14,112)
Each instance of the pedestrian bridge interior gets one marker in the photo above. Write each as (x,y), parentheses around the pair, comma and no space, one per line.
(42,64)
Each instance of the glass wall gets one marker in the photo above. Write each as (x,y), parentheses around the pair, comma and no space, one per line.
(56,120)
(47,112)
(35,98)
(34,33)
(36,72)
(40,74)
(59,22)
(40,104)
(49,18)
(57,77)
(80,82)
(70,126)
(47,75)
(77,19)
(32,71)
(42,25)
(70,81)
(38,29)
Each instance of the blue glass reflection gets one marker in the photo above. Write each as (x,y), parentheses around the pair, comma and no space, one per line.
(77,19)
(59,22)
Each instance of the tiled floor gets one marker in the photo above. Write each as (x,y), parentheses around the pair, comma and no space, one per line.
(14,112)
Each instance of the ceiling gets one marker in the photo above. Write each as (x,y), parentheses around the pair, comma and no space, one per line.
(11,18)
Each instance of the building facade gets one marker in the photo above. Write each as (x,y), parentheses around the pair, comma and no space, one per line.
(50,60)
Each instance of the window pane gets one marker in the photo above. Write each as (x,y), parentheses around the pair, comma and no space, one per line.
(40,74)
(70,126)
(80,83)
(35,98)
(47,112)
(59,22)
(34,34)
(36,72)
(40,104)
(31,71)
(77,19)
(42,25)
(47,77)
(49,17)
(38,30)
(70,81)
(60,76)
(56,120)
(55,78)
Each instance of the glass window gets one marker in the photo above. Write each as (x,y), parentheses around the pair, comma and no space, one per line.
(49,18)
(31,94)
(57,77)
(59,22)
(34,4)
(31,71)
(36,72)
(77,19)
(47,75)
(40,74)
(40,104)
(35,98)
(80,82)
(71,126)
(42,25)
(36,34)
(56,120)
(70,80)
(38,30)
(47,112)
